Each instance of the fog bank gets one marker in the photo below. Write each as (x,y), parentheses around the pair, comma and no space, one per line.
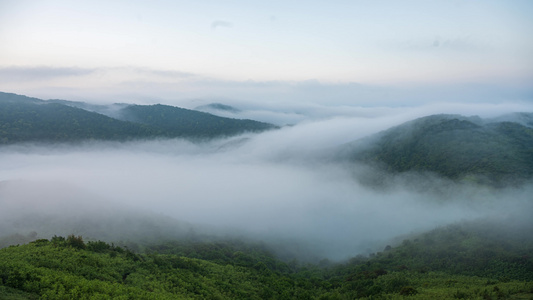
(273,186)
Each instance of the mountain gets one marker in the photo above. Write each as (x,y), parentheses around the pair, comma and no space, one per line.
(175,121)
(110,110)
(497,247)
(218,107)
(25,119)
(521,118)
(453,146)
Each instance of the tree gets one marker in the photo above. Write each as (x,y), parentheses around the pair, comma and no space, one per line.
(75,241)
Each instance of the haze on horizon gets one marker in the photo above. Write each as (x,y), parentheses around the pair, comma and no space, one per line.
(276,53)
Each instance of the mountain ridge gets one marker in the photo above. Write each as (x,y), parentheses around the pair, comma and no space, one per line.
(453,146)
(26,119)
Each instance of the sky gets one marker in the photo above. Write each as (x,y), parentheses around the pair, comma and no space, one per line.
(187,53)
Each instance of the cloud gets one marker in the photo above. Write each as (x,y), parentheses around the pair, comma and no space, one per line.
(220,23)
(41,73)
(153,72)
(457,44)
(279,102)
(44,73)
(294,112)
(275,186)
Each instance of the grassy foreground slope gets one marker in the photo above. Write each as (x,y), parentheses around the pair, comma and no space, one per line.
(417,269)
(71,269)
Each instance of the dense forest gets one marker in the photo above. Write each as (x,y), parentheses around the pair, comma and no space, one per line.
(25,119)
(459,261)
(492,151)
(176,122)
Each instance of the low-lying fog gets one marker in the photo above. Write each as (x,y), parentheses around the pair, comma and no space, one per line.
(272,186)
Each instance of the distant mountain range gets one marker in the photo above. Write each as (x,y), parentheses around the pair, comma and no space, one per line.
(214,107)
(454,146)
(25,119)
(496,150)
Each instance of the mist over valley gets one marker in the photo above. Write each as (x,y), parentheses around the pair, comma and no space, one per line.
(306,190)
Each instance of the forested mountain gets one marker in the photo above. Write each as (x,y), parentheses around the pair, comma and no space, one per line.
(25,119)
(457,147)
(110,110)
(175,121)
(218,107)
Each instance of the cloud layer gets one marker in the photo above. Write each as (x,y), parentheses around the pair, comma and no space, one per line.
(220,23)
(273,186)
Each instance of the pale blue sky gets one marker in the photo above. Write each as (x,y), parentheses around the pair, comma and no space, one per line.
(233,49)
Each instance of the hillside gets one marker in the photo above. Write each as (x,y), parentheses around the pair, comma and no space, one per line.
(71,269)
(175,121)
(213,107)
(455,262)
(25,119)
(453,146)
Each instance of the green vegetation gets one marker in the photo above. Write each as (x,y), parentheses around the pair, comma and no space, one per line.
(27,119)
(24,119)
(456,147)
(471,249)
(454,262)
(175,121)
(70,269)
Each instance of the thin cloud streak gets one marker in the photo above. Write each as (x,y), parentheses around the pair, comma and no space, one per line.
(220,23)
(42,73)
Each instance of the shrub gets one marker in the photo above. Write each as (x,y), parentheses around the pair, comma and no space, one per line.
(408,291)
(98,246)
(75,242)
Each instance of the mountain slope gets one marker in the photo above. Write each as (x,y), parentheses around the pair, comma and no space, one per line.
(442,264)
(494,248)
(109,110)
(71,269)
(25,119)
(453,146)
(175,121)
(217,107)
